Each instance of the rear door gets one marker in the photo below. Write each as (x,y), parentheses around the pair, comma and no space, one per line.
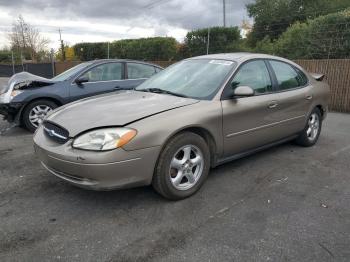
(136,73)
(294,95)
(249,122)
(102,78)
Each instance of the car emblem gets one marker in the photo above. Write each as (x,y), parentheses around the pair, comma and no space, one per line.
(52,133)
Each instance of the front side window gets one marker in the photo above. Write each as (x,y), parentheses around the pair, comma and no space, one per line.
(255,75)
(195,78)
(287,77)
(104,72)
(136,71)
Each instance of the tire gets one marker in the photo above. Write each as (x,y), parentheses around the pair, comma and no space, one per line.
(172,165)
(29,116)
(309,136)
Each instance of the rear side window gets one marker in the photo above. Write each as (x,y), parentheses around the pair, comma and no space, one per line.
(255,75)
(287,76)
(136,71)
(302,77)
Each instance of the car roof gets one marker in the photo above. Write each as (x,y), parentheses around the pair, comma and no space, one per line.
(101,61)
(237,56)
(241,57)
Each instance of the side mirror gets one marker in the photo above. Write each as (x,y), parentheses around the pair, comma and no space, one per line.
(243,91)
(81,80)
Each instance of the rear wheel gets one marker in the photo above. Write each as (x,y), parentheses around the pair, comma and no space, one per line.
(35,112)
(182,167)
(309,136)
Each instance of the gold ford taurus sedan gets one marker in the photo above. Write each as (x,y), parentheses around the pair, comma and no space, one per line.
(170,130)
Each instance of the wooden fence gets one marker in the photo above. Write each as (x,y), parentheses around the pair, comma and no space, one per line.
(337,73)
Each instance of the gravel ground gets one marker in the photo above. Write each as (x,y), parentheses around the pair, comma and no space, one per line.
(284,204)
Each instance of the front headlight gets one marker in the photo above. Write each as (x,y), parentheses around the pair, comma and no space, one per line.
(104,139)
(15,93)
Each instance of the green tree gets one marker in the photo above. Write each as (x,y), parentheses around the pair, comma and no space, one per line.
(90,51)
(323,37)
(152,49)
(273,17)
(221,39)
(5,56)
(265,46)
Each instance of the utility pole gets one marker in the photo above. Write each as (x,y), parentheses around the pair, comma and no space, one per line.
(208,40)
(224,11)
(108,50)
(62,46)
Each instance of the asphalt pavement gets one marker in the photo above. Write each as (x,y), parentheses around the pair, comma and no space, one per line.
(285,204)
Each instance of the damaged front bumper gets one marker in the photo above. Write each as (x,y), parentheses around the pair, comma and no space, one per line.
(11,111)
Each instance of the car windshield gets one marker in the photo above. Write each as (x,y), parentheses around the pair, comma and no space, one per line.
(70,72)
(195,78)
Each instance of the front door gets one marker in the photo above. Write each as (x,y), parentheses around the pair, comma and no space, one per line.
(102,78)
(249,122)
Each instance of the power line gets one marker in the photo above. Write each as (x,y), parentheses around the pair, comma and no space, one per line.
(155,3)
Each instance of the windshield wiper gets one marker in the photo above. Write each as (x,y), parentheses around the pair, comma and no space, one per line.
(124,88)
(161,91)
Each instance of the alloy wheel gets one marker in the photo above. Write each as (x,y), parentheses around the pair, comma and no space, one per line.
(186,167)
(313,126)
(38,113)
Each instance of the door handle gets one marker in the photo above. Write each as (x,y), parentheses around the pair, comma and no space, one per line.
(308,97)
(116,87)
(273,104)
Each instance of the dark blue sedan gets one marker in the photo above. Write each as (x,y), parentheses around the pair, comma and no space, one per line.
(28,98)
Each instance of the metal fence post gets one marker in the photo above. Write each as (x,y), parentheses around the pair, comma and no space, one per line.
(52,62)
(13,63)
(22,61)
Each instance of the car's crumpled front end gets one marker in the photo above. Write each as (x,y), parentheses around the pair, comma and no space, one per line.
(16,85)
(7,109)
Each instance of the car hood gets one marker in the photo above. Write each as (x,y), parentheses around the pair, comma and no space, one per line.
(25,80)
(28,77)
(117,109)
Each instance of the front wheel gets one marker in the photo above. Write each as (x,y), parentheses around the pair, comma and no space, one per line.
(182,166)
(309,136)
(35,112)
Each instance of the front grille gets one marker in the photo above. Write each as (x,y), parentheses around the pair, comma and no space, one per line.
(55,132)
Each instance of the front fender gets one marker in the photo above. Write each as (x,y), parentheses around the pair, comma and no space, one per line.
(158,129)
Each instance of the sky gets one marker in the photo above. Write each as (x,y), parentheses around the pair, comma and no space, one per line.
(108,20)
